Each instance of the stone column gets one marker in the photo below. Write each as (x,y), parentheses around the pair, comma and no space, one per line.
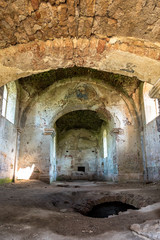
(52,166)
(17,154)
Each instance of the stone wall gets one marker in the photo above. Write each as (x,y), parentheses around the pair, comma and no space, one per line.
(77,148)
(152,149)
(8,135)
(7,148)
(24,21)
(116,55)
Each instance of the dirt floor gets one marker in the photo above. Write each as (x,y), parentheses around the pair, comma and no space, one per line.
(38,211)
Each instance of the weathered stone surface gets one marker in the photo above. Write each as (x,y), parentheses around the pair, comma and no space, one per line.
(71,7)
(72,26)
(80,147)
(85,27)
(62,13)
(101,46)
(3,4)
(7,147)
(87,7)
(117,55)
(109,18)
(149,229)
(35,4)
(101,7)
(121,37)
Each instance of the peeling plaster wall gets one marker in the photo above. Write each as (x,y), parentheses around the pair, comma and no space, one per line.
(77,148)
(1,97)
(150,135)
(8,140)
(61,98)
(8,134)
(152,149)
(108,166)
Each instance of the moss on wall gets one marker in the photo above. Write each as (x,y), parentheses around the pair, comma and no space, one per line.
(5,180)
(38,82)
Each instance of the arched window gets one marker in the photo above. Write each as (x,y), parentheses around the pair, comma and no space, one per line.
(4,101)
(105,153)
(151,105)
(9,101)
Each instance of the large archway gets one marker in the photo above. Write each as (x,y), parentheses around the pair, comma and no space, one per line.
(111,96)
(83,150)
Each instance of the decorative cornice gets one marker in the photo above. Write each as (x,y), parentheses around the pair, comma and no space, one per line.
(49,131)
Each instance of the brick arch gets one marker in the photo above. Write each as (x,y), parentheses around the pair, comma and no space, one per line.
(125,56)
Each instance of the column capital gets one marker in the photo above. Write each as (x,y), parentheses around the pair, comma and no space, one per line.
(49,131)
(19,130)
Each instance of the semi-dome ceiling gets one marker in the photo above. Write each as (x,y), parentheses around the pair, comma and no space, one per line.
(37,83)
(79,119)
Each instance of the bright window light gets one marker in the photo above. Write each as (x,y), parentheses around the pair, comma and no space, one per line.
(4,103)
(9,101)
(105,154)
(151,105)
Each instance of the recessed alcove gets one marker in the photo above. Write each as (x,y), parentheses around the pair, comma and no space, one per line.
(81,169)
(81,145)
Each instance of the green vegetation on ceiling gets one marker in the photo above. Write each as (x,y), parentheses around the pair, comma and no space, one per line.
(38,82)
(79,119)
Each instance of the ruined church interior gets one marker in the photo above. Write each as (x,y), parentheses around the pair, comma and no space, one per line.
(79,119)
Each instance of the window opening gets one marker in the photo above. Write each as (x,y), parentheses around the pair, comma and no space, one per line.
(4,103)
(9,101)
(159,107)
(151,106)
(105,153)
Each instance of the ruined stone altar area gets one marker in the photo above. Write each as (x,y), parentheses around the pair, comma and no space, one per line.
(80,101)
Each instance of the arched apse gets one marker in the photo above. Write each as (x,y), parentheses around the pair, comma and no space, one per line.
(80,152)
(82,93)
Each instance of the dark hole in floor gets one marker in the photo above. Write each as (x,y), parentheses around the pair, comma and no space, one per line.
(109,208)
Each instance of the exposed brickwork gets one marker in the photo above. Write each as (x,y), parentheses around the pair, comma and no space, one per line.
(77,49)
(126,56)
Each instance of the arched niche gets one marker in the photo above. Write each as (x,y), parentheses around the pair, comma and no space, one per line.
(79,146)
